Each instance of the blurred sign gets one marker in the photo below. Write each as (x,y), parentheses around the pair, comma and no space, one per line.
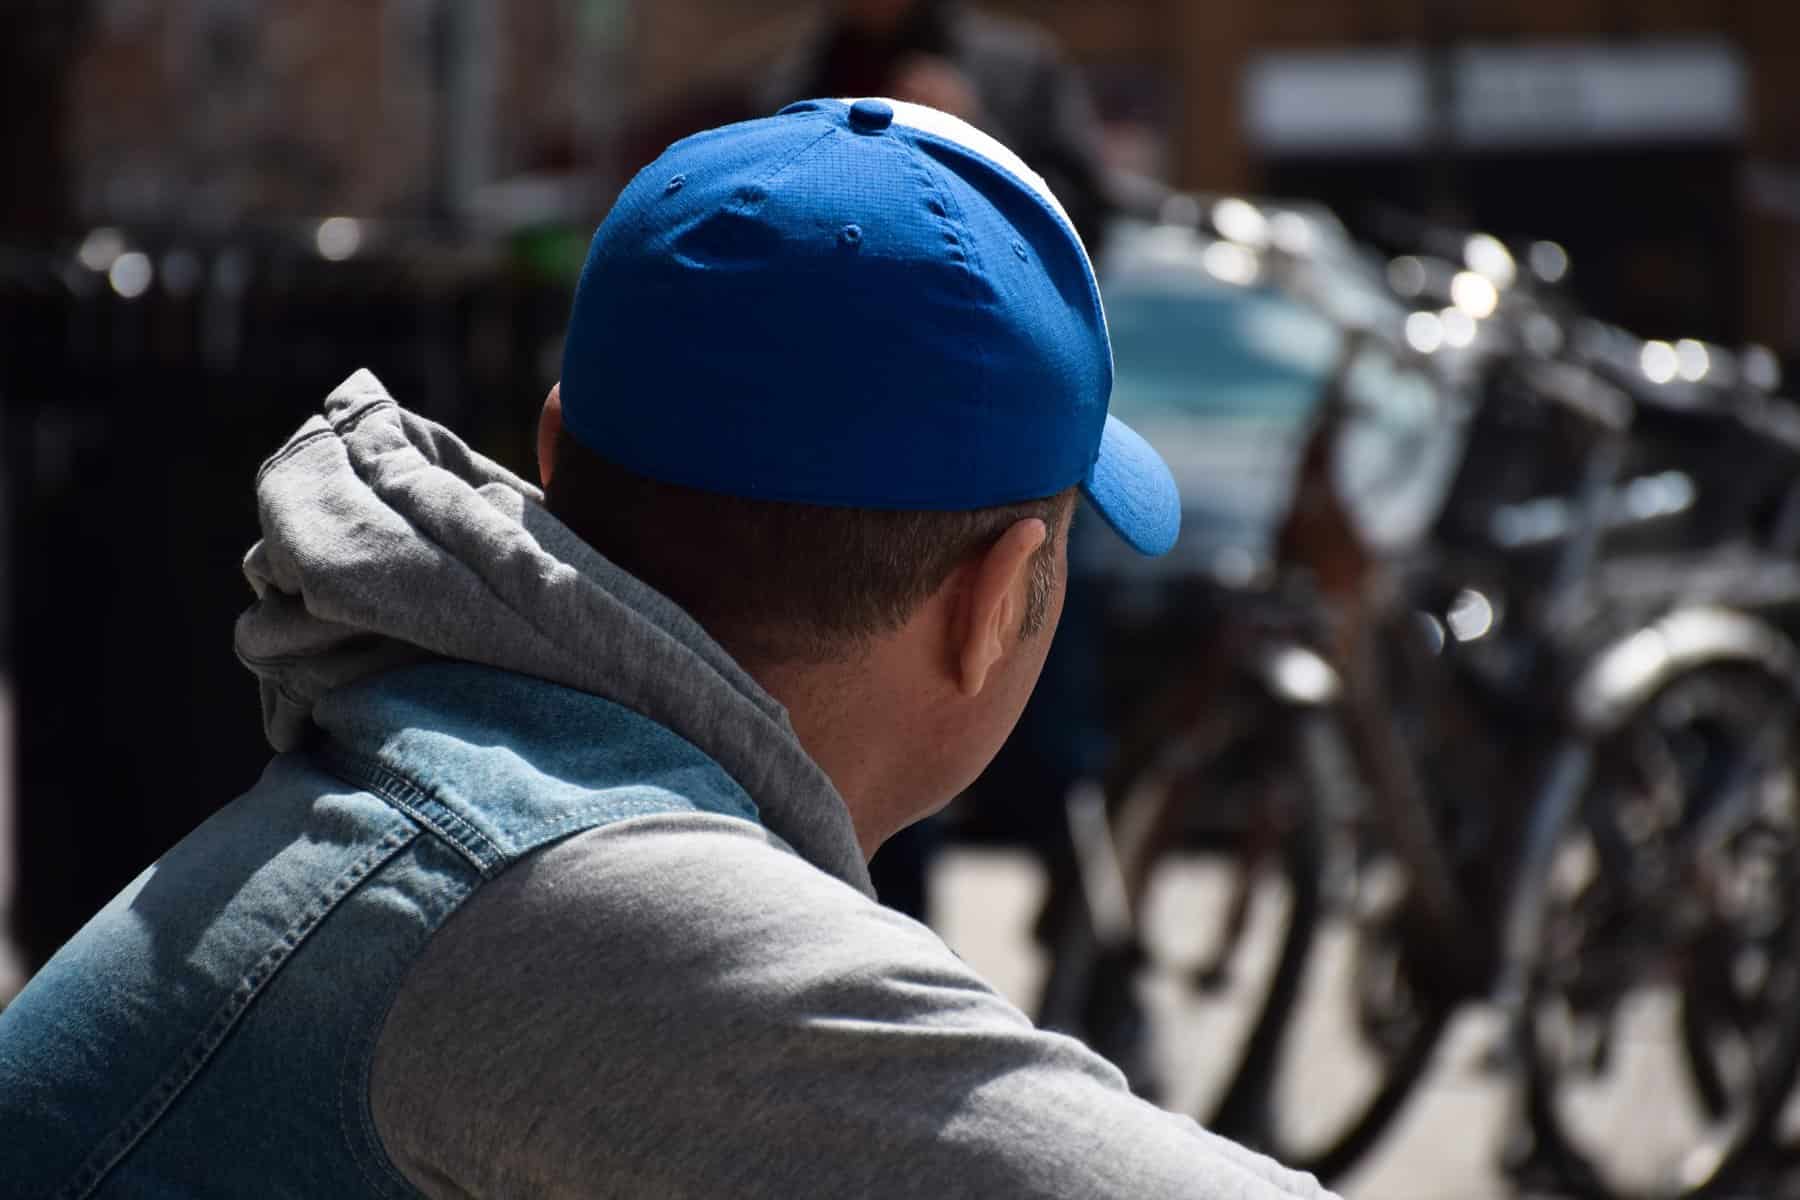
(1533,95)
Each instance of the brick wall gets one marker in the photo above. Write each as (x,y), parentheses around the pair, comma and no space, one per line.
(225,111)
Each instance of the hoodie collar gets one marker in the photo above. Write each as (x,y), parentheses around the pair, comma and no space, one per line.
(387,540)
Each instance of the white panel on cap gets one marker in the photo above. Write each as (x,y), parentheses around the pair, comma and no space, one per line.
(954,129)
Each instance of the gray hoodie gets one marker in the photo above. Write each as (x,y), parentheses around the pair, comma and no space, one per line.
(722,999)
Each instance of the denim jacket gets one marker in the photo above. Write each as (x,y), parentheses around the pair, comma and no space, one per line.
(210,1032)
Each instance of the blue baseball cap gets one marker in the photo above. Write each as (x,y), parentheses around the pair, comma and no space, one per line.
(868,304)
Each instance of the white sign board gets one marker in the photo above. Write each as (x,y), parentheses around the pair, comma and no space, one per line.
(1536,95)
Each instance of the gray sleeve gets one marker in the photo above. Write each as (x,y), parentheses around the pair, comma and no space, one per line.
(678,1006)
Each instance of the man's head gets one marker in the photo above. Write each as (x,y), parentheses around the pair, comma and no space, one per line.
(831,379)
(926,631)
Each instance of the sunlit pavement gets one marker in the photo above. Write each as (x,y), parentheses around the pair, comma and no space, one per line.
(1442,1148)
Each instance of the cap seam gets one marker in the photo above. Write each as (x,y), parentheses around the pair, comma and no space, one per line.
(957,220)
(742,202)
(925,135)
(918,135)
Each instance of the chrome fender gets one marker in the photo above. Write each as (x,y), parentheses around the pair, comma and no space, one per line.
(1625,674)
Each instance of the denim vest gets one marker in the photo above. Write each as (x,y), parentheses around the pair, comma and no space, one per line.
(211,1031)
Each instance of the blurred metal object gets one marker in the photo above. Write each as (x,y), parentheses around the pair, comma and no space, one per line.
(1488,256)
(1425,332)
(1474,294)
(1097,863)
(1761,368)
(131,274)
(1659,362)
(1230,262)
(1692,360)
(1406,275)
(1460,329)
(1241,222)
(1623,675)
(100,249)
(1549,261)
(338,238)
(1299,676)
(1470,616)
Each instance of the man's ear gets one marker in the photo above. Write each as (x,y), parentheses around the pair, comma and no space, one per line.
(991,603)
(549,427)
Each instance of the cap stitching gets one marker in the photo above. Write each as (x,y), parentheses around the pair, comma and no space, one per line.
(921,136)
(954,216)
(971,262)
(743,199)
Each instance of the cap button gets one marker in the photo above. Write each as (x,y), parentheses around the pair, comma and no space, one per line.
(871,116)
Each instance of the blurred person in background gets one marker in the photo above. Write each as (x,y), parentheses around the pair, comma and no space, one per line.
(557,884)
(1006,77)
(1009,79)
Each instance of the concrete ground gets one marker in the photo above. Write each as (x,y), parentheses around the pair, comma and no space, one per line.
(1445,1144)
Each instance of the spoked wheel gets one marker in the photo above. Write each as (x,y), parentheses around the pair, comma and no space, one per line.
(1264,989)
(1666,1020)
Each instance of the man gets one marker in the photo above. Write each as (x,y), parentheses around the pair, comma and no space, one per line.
(557,885)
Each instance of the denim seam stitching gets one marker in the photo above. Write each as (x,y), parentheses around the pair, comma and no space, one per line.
(384,781)
(382,1177)
(618,809)
(421,805)
(369,1152)
(164,1093)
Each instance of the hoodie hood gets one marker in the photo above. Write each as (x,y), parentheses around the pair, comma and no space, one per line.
(386,540)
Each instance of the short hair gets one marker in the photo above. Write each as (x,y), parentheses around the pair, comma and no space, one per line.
(780,582)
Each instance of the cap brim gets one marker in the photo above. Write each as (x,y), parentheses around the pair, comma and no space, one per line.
(1130,486)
